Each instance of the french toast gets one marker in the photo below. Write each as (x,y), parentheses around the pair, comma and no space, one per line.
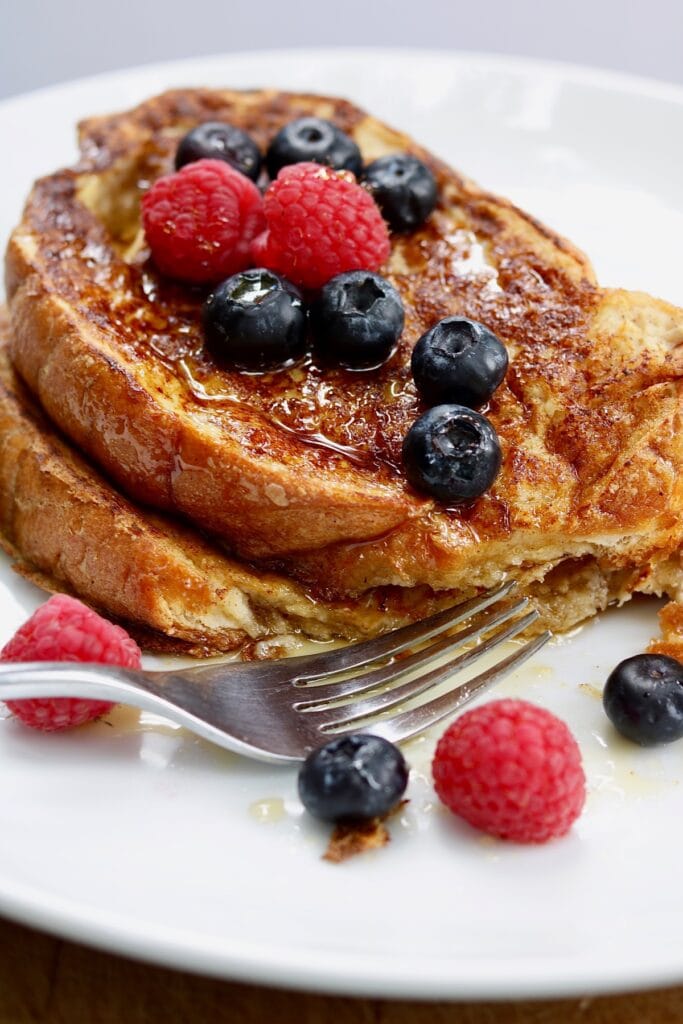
(69,529)
(300,469)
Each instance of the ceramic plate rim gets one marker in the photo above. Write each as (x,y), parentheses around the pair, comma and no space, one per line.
(592,75)
(332,971)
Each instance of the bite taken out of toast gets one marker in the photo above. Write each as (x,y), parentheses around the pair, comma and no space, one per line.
(300,469)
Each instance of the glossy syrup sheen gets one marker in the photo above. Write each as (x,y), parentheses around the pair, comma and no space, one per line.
(585,366)
(462,261)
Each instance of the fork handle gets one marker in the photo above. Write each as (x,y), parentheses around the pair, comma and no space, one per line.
(26,679)
(20,680)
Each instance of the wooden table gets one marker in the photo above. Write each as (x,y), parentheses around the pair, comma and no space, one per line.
(48,981)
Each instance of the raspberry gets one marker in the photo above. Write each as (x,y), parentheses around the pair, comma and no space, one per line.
(320,223)
(200,222)
(63,629)
(511,769)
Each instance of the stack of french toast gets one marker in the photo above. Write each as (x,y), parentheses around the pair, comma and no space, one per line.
(211,509)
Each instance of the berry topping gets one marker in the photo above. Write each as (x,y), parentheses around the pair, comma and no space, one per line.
(320,223)
(643,698)
(511,769)
(63,629)
(214,140)
(452,453)
(200,222)
(404,189)
(255,321)
(357,319)
(353,777)
(316,141)
(458,360)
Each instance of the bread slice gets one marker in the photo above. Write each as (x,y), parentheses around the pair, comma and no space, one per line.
(302,467)
(67,528)
(70,530)
(114,352)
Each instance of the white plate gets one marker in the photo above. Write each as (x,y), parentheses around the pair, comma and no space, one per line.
(144,840)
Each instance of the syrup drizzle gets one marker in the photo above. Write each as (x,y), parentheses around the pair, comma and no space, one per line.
(199,391)
(314,440)
(318,440)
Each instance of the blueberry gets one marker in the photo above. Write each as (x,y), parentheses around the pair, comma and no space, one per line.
(353,777)
(255,321)
(357,319)
(404,189)
(214,140)
(458,360)
(643,698)
(315,140)
(452,453)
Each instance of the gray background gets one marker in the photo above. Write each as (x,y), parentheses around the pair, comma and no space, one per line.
(46,41)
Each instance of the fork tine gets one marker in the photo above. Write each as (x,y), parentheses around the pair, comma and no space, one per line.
(367,651)
(350,713)
(417,720)
(397,670)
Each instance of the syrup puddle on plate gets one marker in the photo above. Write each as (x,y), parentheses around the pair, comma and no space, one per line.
(268,810)
(616,771)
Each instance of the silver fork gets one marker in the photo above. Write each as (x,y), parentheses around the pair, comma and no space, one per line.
(280,710)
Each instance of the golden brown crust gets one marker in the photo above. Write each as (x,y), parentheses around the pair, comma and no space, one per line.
(84,320)
(670,642)
(348,840)
(71,530)
(68,529)
(229,470)
(305,466)
(173,591)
